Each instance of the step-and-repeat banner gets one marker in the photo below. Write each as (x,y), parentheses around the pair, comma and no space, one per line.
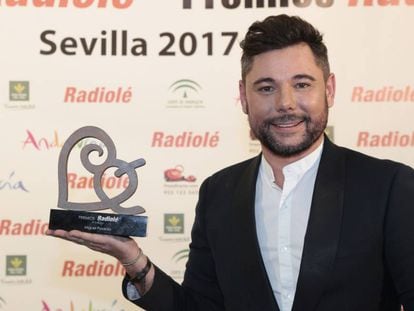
(161,78)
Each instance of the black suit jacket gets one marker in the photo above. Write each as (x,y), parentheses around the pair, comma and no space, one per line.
(358,253)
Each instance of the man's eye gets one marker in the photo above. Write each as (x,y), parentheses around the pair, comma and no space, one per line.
(266,89)
(302,85)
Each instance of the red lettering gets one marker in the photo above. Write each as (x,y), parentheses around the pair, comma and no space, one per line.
(96,268)
(214,140)
(16,2)
(30,140)
(80,270)
(109,270)
(71,180)
(157,139)
(186,139)
(388,2)
(33,227)
(81,4)
(355,2)
(63,3)
(82,181)
(391,139)
(362,139)
(197,141)
(68,266)
(357,93)
(119,5)
(110,182)
(70,94)
(380,2)
(91,269)
(5,227)
(39,3)
(404,141)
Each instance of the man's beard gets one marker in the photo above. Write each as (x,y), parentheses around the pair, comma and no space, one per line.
(314,129)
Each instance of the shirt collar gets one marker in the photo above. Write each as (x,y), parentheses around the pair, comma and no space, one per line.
(297,168)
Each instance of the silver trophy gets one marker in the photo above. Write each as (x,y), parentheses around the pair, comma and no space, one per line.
(83,216)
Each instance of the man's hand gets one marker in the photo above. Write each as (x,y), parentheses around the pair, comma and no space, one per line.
(124,249)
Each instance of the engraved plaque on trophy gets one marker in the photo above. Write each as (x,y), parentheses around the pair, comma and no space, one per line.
(123,221)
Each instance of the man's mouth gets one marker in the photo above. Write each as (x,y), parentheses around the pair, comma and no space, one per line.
(287,121)
(287,124)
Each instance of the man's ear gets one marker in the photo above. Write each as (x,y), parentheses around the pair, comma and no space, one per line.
(330,89)
(243,98)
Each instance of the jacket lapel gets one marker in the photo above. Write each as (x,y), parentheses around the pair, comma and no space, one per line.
(260,294)
(323,231)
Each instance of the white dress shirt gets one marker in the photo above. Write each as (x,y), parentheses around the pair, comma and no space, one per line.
(281,221)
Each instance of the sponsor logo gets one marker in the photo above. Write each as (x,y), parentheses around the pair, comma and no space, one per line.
(16,271)
(181,255)
(185,140)
(98,95)
(19,96)
(79,4)
(176,174)
(177,183)
(179,259)
(90,306)
(40,143)
(19,91)
(173,223)
(384,94)
(185,94)
(109,43)
(250,4)
(108,218)
(174,229)
(16,265)
(97,268)
(32,227)
(390,139)
(99,218)
(12,184)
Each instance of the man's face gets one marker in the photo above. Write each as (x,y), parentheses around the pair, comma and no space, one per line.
(286,99)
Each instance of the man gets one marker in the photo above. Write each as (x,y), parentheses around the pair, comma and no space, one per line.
(304,226)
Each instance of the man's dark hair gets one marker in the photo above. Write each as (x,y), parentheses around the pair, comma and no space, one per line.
(278,32)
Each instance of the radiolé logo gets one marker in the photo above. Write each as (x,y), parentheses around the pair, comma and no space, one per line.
(80,4)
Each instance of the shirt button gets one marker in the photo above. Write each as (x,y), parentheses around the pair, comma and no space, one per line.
(284,249)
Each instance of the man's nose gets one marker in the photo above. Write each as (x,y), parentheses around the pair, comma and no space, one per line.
(286,99)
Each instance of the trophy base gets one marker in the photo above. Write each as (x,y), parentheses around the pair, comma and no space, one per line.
(102,223)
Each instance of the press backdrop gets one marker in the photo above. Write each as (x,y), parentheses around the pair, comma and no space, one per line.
(161,78)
